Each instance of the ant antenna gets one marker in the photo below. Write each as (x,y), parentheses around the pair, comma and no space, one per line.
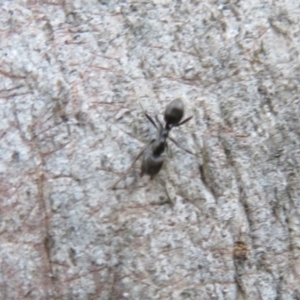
(148,117)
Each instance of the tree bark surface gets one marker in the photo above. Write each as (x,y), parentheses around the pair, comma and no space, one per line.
(72,77)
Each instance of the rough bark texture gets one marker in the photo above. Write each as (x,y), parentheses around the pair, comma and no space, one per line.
(71,77)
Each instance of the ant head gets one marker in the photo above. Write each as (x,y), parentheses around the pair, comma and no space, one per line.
(174,112)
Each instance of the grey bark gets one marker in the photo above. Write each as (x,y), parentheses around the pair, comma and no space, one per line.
(72,75)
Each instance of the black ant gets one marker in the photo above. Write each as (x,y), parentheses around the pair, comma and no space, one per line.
(153,160)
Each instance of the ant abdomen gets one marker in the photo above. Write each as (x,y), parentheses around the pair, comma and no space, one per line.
(151,163)
(174,112)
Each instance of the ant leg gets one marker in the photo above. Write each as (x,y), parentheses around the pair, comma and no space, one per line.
(164,186)
(178,145)
(139,155)
(184,121)
(169,152)
(158,121)
(148,117)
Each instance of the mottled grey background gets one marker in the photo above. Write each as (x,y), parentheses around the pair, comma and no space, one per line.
(72,74)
